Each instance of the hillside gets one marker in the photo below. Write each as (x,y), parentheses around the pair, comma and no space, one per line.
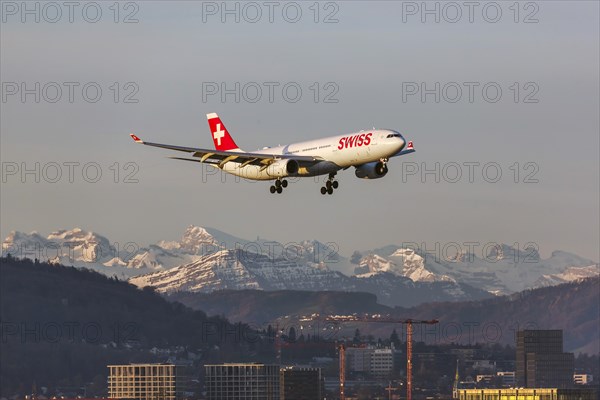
(63,325)
(258,306)
(573,307)
(69,323)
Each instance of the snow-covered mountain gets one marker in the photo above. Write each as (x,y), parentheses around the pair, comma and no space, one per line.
(88,249)
(238,270)
(402,262)
(195,240)
(206,259)
(501,270)
(91,250)
(570,274)
(75,246)
(219,270)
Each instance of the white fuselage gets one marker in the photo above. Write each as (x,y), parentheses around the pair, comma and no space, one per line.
(337,152)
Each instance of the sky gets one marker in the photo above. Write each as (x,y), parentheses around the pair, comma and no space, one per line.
(501,101)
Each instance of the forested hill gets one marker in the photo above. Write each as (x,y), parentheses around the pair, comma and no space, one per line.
(573,307)
(63,326)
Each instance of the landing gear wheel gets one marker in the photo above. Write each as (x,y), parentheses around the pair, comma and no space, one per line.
(284,183)
(330,184)
(272,189)
(279,190)
(277,183)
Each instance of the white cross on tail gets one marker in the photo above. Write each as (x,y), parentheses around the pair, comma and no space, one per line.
(218,134)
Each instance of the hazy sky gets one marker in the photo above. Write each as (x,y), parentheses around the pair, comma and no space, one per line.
(545,125)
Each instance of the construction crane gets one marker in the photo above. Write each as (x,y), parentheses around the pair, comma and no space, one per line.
(342,352)
(388,320)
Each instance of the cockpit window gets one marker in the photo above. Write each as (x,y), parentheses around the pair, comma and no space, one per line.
(394,135)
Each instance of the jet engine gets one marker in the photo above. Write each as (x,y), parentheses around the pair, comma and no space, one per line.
(281,168)
(372,170)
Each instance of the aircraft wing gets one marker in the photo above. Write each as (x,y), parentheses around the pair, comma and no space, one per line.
(220,158)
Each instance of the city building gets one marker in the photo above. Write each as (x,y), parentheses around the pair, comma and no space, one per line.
(486,379)
(528,394)
(540,360)
(301,383)
(375,362)
(382,362)
(358,359)
(504,378)
(148,381)
(547,370)
(508,378)
(252,381)
(583,379)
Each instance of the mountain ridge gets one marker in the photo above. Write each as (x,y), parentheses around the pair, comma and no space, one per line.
(397,274)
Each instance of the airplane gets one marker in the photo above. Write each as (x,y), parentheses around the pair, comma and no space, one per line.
(368,151)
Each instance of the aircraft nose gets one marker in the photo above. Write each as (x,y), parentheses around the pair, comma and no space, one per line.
(396,140)
(401,143)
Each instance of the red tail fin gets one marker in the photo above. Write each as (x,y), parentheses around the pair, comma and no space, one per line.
(223,141)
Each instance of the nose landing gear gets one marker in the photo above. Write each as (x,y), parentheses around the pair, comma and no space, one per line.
(278,186)
(330,185)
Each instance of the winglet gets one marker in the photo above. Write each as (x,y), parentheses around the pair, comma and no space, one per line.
(135,138)
(409,146)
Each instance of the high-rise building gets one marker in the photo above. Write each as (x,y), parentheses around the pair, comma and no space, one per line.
(241,381)
(301,383)
(541,361)
(148,381)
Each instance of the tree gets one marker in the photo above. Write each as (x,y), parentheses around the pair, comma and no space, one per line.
(356,339)
(270,332)
(292,335)
(395,339)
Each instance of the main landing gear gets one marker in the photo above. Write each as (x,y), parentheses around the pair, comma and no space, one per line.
(278,186)
(330,185)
